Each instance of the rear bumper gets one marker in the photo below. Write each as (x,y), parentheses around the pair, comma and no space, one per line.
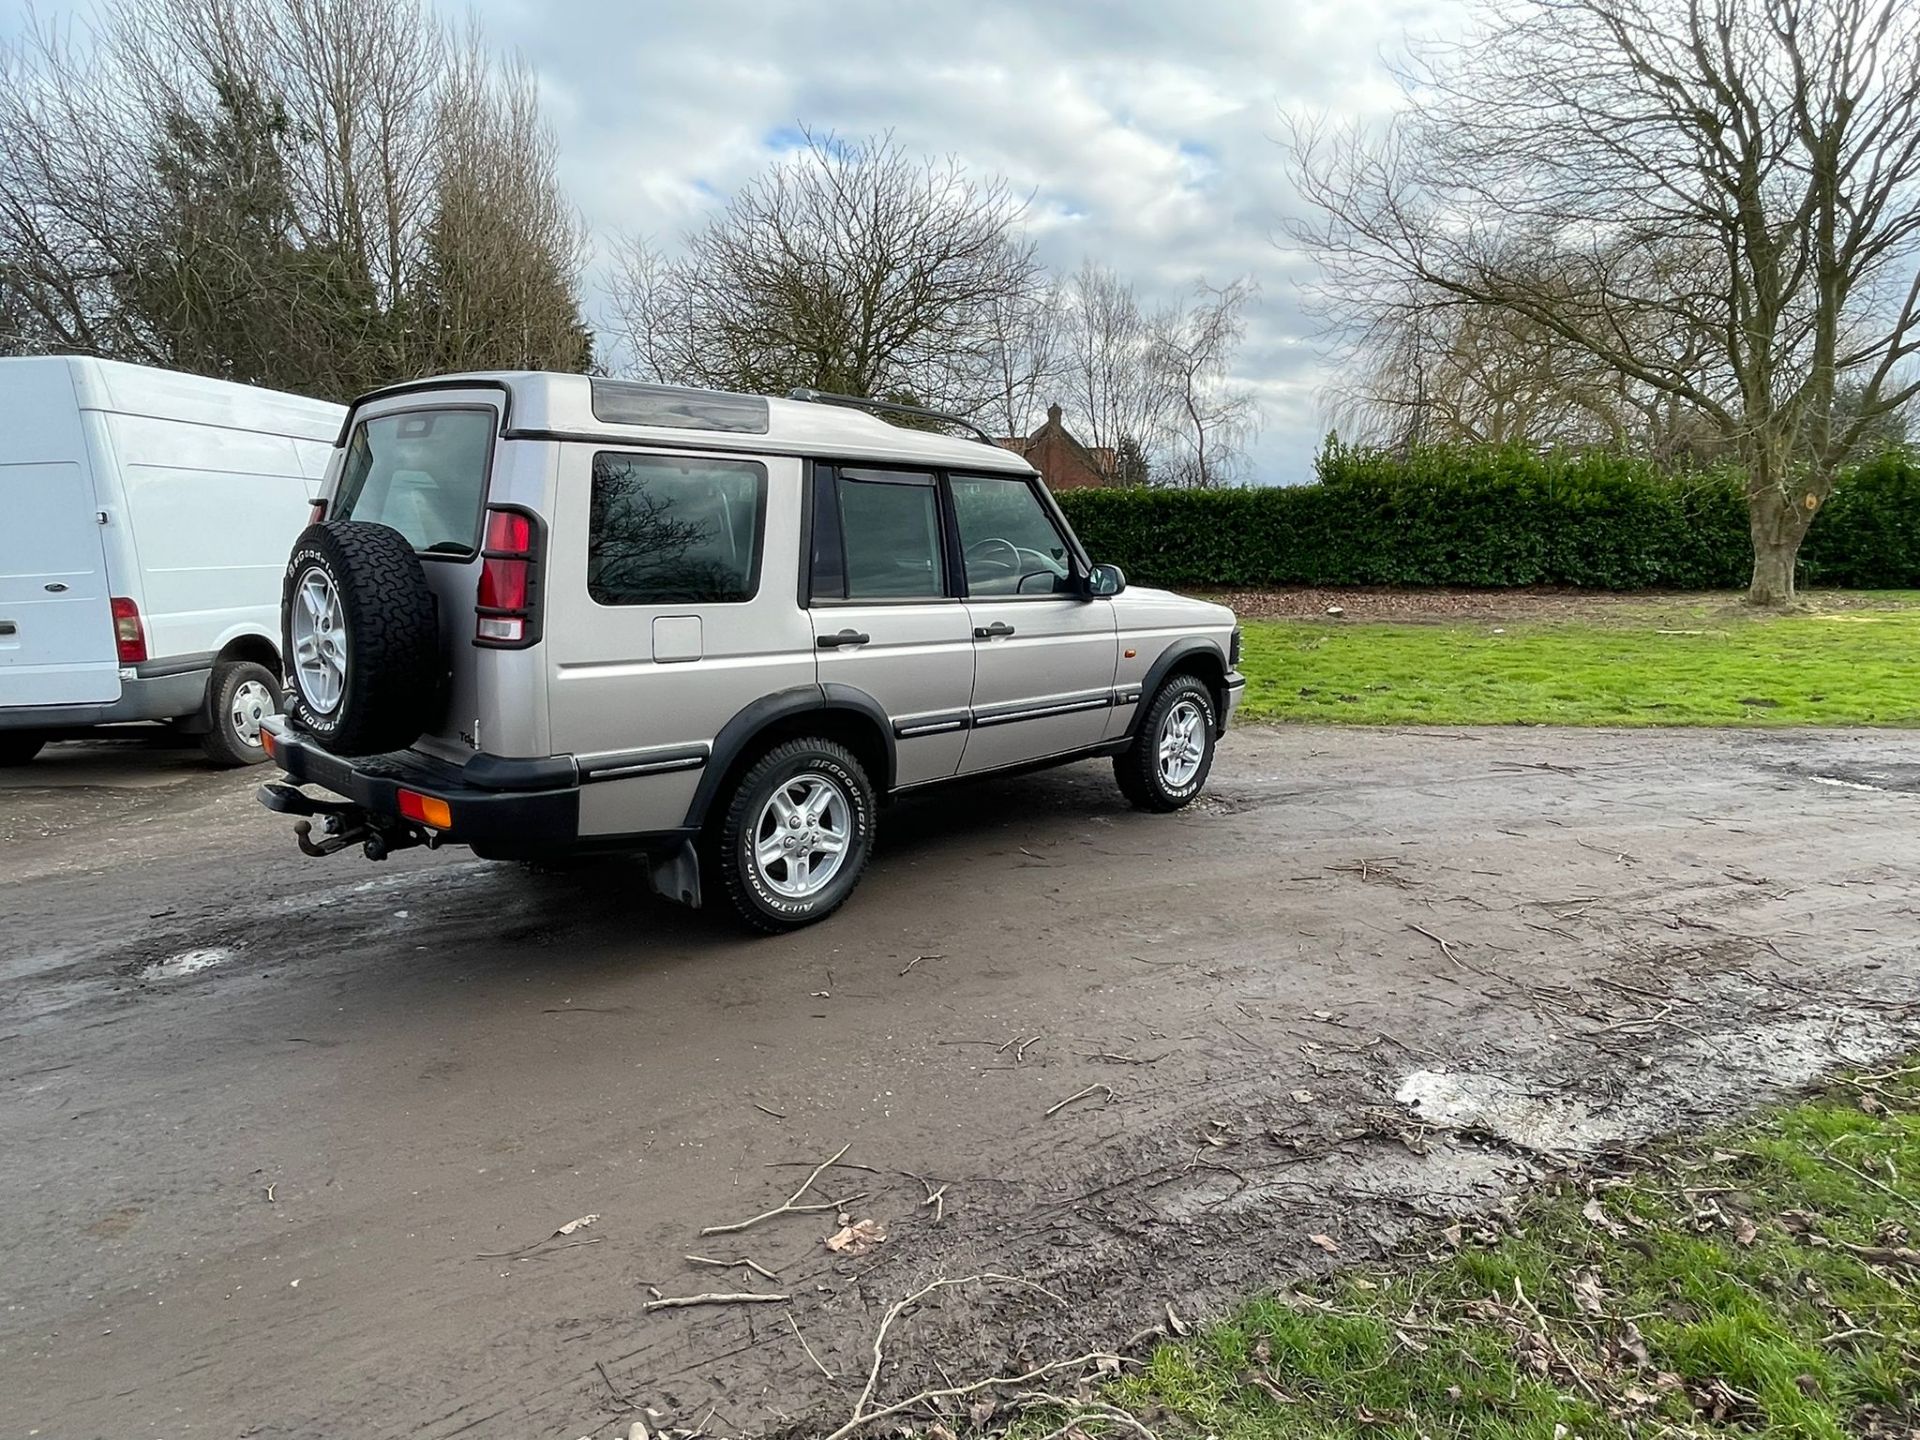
(142,697)
(495,821)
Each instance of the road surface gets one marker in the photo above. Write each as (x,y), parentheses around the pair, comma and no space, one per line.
(285,1139)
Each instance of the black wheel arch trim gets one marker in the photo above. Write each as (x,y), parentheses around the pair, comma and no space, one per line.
(749,723)
(1169,660)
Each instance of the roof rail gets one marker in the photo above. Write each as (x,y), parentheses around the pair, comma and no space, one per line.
(886,407)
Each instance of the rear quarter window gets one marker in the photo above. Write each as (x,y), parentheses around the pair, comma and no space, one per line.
(423,472)
(668,530)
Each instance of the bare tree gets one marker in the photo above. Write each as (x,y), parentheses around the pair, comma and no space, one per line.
(1117,394)
(848,266)
(503,249)
(322,195)
(1208,418)
(1024,360)
(1716,199)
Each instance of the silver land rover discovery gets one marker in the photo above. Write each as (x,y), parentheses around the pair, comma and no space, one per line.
(546,615)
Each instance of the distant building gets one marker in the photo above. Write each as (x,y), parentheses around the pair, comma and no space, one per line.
(1063,462)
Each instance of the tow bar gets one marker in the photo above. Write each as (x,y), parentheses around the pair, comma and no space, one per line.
(343,824)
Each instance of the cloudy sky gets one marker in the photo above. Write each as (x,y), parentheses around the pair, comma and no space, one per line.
(1145,129)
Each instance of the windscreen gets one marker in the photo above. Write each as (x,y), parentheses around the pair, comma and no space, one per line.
(423,472)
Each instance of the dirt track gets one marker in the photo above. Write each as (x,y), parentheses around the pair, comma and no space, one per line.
(437,1057)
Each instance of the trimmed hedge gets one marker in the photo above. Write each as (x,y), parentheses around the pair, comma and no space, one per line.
(1463,516)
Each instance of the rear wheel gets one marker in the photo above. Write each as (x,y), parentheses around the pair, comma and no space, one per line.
(1172,751)
(17,747)
(240,695)
(795,835)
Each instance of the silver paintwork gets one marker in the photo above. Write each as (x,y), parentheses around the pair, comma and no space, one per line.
(610,679)
(320,643)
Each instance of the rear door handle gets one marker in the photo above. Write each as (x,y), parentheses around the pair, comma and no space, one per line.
(997,630)
(845,637)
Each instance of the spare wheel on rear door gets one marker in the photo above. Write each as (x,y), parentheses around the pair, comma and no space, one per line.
(362,638)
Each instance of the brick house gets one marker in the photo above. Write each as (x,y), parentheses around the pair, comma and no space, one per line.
(1063,462)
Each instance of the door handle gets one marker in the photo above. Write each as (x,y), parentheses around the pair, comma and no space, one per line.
(997,630)
(845,637)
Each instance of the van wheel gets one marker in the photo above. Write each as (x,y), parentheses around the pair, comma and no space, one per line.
(1172,751)
(17,747)
(239,696)
(361,637)
(795,835)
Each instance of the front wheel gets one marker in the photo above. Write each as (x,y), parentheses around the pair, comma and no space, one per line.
(795,835)
(1172,751)
(239,696)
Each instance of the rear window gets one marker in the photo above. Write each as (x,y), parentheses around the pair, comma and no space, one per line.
(424,472)
(664,530)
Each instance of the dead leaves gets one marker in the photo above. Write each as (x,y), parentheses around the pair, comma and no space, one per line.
(858,1238)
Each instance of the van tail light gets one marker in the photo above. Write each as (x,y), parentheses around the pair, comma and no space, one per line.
(507,607)
(317,513)
(129,635)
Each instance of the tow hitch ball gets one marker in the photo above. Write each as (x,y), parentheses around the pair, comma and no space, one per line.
(342,825)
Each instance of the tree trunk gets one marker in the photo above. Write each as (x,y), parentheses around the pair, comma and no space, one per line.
(1777,525)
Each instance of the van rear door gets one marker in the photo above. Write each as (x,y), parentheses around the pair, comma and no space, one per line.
(56,626)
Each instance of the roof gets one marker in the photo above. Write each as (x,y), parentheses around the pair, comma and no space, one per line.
(120,388)
(545,404)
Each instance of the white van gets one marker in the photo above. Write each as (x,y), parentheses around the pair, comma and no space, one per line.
(145,519)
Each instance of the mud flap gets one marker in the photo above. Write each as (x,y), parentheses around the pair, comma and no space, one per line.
(676,876)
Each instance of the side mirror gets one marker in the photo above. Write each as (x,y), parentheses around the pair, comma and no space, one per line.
(1105,580)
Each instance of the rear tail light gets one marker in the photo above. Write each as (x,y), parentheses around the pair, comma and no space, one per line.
(506,609)
(428,810)
(317,513)
(129,635)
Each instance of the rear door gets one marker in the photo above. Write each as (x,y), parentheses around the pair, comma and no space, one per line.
(1044,654)
(56,627)
(885,617)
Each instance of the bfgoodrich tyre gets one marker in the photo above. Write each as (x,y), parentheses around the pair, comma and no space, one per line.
(361,635)
(1172,751)
(795,835)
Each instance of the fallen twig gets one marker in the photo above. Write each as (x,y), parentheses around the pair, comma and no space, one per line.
(1446,946)
(620,1397)
(680,1302)
(759,1270)
(1079,1095)
(1578,1375)
(764,1110)
(806,1347)
(792,1203)
(863,1417)
(918,958)
(934,1199)
(566,1229)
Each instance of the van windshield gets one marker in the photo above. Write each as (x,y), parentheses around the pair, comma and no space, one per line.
(424,473)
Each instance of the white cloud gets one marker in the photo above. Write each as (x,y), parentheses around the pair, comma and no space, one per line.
(1144,130)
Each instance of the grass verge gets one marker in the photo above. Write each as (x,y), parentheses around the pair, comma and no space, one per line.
(1666,665)
(1762,1283)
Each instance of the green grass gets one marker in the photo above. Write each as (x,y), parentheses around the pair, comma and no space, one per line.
(1664,665)
(1721,1292)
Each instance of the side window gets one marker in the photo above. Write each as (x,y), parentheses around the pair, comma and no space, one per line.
(663,530)
(1009,540)
(890,536)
